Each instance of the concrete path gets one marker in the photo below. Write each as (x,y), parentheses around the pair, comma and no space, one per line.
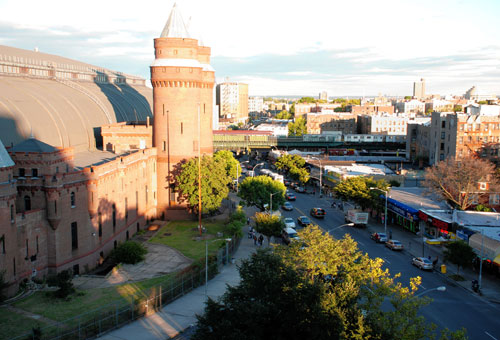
(181,313)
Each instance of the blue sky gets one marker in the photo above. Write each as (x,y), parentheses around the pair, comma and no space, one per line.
(283,47)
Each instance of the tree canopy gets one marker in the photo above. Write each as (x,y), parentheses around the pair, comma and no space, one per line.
(287,161)
(457,180)
(298,127)
(319,288)
(256,191)
(357,189)
(459,253)
(284,115)
(307,100)
(268,225)
(230,163)
(214,183)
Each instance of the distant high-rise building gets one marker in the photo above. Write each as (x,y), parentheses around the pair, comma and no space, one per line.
(255,104)
(323,95)
(232,99)
(419,89)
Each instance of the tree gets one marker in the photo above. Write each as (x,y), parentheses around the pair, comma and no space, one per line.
(307,100)
(214,183)
(292,110)
(272,301)
(408,97)
(458,108)
(357,189)
(268,225)
(355,287)
(298,127)
(457,180)
(287,161)
(299,174)
(483,102)
(256,191)
(459,253)
(129,252)
(283,115)
(62,280)
(230,163)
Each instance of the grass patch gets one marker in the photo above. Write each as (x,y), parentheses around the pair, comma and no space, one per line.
(88,301)
(13,324)
(181,235)
(457,277)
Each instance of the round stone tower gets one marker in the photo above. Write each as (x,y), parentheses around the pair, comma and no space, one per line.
(183,83)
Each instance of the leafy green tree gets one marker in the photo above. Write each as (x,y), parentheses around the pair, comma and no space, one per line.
(299,174)
(214,183)
(482,207)
(256,191)
(230,163)
(287,161)
(355,288)
(482,102)
(298,127)
(292,110)
(357,189)
(459,253)
(268,225)
(408,97)
(62,280)
(458,108)
(272,301)
(284,115)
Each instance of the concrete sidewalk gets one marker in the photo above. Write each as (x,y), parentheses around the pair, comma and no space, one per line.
(180,314)
(413,245)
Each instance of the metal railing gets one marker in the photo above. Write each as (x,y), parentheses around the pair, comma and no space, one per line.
(95,323)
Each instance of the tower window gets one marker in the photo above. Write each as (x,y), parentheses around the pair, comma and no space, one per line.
(164,145)
(12,215)
(2,240)
(34,172)
(100,225)
(21,172)
(74,236)
(114,216)
(73,200)
(175,52)
(27,203)
(182,128)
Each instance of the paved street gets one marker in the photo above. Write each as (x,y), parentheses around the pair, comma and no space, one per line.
(457,307)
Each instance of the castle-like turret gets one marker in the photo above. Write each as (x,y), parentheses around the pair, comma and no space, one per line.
(183,83)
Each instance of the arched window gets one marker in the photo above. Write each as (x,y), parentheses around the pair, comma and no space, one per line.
(73,203)
(27,203)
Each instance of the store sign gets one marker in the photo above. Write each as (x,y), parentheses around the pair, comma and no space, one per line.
(402,211)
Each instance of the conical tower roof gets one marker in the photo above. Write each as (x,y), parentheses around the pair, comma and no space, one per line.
(175,27)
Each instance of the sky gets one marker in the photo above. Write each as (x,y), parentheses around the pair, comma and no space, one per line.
(282,47)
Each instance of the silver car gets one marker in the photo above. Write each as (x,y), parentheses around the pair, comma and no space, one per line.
(422,263)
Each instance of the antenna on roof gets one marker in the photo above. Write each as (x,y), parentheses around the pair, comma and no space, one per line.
(31,133)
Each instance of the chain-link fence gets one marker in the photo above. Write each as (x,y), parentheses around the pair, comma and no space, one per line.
(106,318)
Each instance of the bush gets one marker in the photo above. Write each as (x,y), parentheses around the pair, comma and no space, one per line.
(129,252)
(234,228)
(394,183)
(238,215)
(63,281)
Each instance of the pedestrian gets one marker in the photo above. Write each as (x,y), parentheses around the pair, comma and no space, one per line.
(250,232)
(261,239)
(254,239)
(248,220)
(434,263)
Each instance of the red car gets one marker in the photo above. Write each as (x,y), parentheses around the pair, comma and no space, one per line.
(291,197)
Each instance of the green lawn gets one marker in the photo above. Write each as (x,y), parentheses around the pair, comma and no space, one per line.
(13,324)
(183,237)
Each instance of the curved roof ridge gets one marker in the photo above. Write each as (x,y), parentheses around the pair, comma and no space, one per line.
(175,27)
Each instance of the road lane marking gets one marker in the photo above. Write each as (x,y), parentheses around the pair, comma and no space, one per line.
(386,260)
(361,243)
(422,287)
(491,336)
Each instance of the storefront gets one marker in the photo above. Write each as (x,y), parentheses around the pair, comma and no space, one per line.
(403,215)
(436,223)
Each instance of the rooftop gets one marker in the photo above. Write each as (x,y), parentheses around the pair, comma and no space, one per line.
(33,145)
(5,160)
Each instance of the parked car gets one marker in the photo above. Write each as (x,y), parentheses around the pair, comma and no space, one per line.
(287,206)
(289,222)
(318,212)
(394,245)
(286,182)
(304,221)
(422,263)
(300,189)
(293,185)
(379,237)
(291,197)
(289,235)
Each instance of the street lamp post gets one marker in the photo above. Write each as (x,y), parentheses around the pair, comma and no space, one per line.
(271,201)
(440,289)
(253,169)
(385,213)
(206,259)
(320,176)
(340,226)
(238,173)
